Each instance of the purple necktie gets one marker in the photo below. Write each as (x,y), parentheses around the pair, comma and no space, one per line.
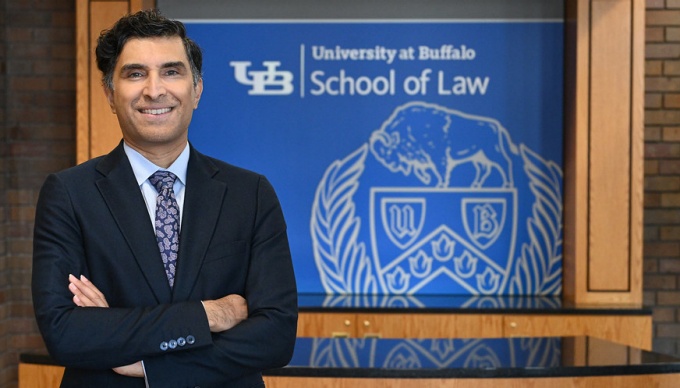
(167,221)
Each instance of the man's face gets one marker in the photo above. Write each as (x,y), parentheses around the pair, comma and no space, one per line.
(153,93)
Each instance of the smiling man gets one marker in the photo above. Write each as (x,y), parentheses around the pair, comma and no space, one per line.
(156,265)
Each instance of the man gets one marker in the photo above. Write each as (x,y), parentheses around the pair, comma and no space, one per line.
(189,284)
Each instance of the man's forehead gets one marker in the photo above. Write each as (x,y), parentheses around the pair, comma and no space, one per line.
(153,51)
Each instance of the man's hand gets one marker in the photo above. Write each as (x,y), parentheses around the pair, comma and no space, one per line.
(132,370)
(86,294)
(226,312)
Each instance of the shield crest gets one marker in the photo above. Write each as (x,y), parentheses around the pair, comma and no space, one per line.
(430,239)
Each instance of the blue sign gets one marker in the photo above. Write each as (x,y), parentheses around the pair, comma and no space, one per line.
(410,158)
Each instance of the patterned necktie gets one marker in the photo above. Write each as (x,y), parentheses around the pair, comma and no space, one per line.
(167,221)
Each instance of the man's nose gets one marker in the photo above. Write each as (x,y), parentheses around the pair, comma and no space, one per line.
(154,87)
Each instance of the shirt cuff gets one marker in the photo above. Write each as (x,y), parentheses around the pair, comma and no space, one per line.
(146,381)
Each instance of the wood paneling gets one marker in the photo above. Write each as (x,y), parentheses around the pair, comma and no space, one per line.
(603,152)
(610,146)
(97,127)
(107,135)
(39,376)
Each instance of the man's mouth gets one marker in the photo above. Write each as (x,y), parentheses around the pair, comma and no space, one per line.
(158,111)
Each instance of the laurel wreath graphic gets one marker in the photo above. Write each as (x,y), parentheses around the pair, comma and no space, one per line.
(346,269)
(342,260)
(538,270)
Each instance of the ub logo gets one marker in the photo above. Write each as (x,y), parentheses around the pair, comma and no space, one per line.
(270,81)
(439,202)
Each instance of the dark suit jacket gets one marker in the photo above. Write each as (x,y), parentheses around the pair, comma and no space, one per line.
(92,220)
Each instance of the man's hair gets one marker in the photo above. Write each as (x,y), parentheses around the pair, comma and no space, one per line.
(143,24)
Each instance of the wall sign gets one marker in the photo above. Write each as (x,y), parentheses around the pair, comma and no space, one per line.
(409,157)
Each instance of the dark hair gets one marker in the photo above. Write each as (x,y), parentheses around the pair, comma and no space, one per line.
(143,24)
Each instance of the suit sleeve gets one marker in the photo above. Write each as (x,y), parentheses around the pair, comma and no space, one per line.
(93,338)
(267,338)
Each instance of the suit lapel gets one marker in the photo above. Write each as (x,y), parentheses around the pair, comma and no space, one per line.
(121,193)
(203,199)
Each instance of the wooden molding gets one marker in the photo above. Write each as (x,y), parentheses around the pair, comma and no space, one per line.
(604,132)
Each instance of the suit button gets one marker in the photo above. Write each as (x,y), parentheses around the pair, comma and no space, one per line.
(191,339)
(164,346)
(181,341)
(172,344)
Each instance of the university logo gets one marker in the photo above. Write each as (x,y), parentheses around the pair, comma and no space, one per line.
(439,202)
(267,82)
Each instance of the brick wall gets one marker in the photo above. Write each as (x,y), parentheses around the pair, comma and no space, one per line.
(37,125)
(37,121)
(5,359)
(662,172)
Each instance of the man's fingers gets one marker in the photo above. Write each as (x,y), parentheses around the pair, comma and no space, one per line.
(88,295)
(133,370)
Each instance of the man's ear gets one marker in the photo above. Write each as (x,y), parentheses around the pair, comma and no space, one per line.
(109,97)
(198,90)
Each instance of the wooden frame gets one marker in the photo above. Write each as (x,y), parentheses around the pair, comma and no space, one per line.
(604,130)
(603,178)
(97,129)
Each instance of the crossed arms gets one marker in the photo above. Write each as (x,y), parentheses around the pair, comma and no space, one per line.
(222,314)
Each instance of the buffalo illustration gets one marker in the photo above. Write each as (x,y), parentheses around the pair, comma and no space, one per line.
(430,141)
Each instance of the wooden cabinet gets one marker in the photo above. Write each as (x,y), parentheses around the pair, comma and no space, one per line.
(332,325)
(631,330)
(430,325)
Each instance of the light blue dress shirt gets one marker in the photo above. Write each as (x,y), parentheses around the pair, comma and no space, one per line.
(143,169)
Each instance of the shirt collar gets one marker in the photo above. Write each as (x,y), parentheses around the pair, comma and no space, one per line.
(143,168)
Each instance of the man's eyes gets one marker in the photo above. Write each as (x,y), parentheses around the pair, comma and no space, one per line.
(141,74)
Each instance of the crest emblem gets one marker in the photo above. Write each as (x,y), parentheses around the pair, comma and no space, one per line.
(414,249)
(483,220)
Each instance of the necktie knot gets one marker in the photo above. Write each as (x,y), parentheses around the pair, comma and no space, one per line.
(162,180)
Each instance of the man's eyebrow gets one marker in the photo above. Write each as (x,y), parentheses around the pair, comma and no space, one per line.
(132,66)
(178,64)
(138,66)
